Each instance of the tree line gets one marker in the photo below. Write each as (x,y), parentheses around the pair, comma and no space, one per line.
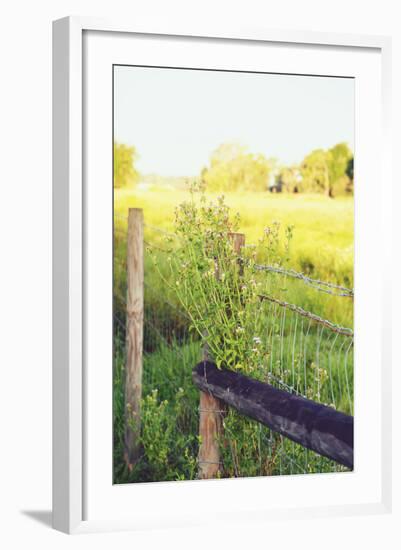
(233,168)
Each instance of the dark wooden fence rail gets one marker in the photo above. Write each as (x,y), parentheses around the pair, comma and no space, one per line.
(313,425)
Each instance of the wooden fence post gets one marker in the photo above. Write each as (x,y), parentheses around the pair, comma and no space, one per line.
(211,409)
(238,240)
(134,335)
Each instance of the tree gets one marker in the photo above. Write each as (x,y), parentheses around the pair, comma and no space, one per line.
(125,173)
(315,172)
(327,171)
(350,174)
(289,179)
(232,168)
(338,158)
(350,168)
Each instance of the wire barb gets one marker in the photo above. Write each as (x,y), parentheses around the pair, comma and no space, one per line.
(315,283)
(332,326)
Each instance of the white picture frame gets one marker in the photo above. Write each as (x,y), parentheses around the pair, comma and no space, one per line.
(74,475)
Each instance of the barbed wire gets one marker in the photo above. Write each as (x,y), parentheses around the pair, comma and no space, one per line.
(295,348)
(160,335)
(147,225)
(157,247)
(281,383)
(328,324)
(163,299)
(166,301)
(315,283)
(160,230)
(116,318)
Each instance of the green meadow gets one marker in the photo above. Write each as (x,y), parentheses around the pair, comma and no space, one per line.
(322,247)
(323,227)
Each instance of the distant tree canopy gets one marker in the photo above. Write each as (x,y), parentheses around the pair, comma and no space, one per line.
(350,168)
(125,173)
(328,171)
(288,179)
(233,168)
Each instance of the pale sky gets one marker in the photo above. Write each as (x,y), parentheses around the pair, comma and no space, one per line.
(175,118)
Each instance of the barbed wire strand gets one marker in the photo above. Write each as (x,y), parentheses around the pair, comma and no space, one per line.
(157,247)
(332,326)
(160,230)
(166,301)
(288,452)
(315,283)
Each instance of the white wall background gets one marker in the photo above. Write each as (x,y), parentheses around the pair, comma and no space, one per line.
(25,291)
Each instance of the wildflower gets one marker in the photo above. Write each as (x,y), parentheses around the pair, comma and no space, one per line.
(239,330)
(257,340)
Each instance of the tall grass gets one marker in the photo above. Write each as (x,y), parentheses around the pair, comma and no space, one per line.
(322,247)
(323,235)
(322,244)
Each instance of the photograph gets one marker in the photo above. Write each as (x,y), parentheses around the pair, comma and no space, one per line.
(233,274)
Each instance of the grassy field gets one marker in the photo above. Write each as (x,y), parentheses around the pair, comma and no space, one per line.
(323,235)
(322,247)
(322,243)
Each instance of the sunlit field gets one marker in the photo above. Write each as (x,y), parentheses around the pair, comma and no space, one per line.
(322,247)
(323,227)
(322,243)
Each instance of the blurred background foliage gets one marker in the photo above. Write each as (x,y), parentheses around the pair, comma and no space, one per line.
(233,168)
(125,173)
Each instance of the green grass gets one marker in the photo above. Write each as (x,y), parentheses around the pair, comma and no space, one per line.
(170,420)
(323,248)
(323,234)
(322,244)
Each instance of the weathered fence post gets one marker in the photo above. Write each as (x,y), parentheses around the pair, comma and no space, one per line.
(238,240)
(311,424)
(211,409)
(134,335)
